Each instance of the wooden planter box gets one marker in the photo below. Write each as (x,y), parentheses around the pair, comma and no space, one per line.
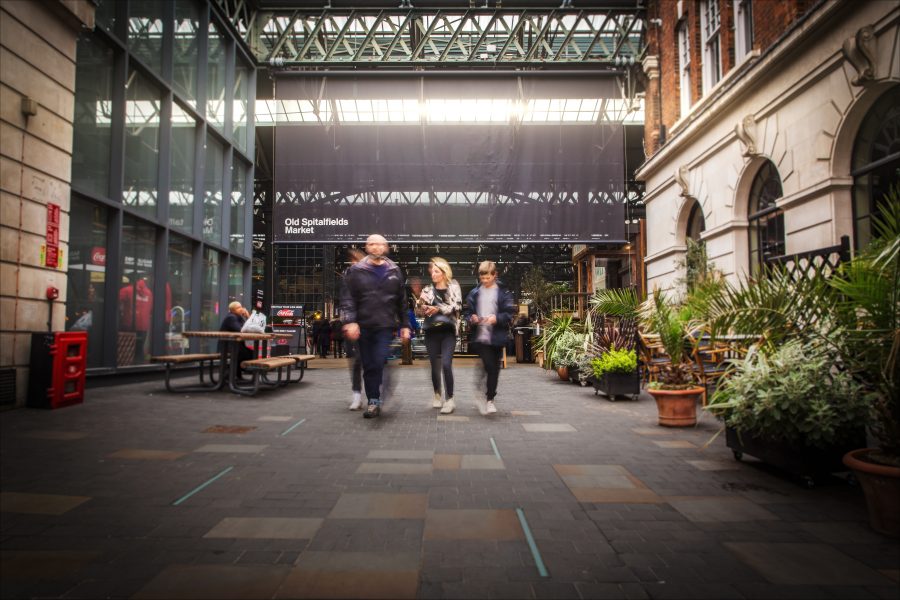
(617,384)
(804,462)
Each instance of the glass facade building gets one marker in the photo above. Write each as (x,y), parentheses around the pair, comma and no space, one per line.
(162,173)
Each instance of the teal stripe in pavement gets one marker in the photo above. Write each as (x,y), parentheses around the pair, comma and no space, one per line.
(291,428)
(496,452)
(542,570)
(200,487)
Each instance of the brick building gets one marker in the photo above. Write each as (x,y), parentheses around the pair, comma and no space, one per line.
(771,127)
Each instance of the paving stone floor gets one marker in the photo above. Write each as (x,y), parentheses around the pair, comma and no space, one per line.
(138,493)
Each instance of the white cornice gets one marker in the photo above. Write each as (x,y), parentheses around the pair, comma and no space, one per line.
(817,189)
(666,252)
(724,228)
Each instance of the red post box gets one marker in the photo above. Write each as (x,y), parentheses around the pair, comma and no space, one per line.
(58,363)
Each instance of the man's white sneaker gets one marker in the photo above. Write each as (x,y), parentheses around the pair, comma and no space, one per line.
(449,407)
(357,401)
(438,402)
(490,409)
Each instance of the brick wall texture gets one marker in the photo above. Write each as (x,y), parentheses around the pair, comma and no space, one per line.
(37,54)
(771,18)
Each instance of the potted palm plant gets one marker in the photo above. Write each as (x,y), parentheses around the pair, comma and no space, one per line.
(548,340)
(675,391)
(855,316)
(869,288)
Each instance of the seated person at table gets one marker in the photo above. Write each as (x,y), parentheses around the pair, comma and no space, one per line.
(233,322)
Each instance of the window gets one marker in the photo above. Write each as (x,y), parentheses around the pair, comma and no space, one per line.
(209,297)
(215,79)
(136,292)
(87,274)
(93,115)
(696,223)
(212,201)
(684,66)
(236,282)
(145,32)
(712,60)
(766,219)
(238,232)
(187,30)
(179,282)
(876,163)
(240,114)
(142,105)
(181,189)
(300,274)
(743,29)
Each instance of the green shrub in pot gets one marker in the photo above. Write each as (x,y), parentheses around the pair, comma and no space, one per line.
(793,394)
(614,361)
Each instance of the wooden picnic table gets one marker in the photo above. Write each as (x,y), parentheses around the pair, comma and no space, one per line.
(233,340)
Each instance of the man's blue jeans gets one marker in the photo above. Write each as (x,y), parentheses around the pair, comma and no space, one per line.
(374,345)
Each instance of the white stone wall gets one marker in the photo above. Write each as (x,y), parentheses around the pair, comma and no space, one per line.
(37,61)
(803,112)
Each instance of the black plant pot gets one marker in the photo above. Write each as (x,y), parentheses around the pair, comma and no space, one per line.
(573,374)
(617,384)
(806,463)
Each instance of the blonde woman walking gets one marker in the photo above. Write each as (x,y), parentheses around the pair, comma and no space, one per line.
(440,303)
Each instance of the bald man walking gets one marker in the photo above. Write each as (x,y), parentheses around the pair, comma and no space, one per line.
(373,305)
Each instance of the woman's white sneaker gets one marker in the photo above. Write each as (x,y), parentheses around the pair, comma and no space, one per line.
(357,401)
(438,401)
(449,407)
(490,409)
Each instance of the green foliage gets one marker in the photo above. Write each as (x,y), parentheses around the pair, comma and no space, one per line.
(794,395)
(671,323)
(855,315)
(569,347)
(614,361)
(696,265)
(540,292)
(583,364)
(549,338)
(618,302)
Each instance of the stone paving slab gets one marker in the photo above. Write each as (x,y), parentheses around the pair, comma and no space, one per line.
(411,504)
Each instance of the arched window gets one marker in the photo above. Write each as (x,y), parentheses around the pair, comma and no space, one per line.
(876,162)
(766,219)
(696,224)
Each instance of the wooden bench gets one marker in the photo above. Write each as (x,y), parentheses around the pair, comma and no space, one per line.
(261,367)
(181,359)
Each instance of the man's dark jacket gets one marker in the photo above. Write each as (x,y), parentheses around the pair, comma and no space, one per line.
(371,302)
(232,322)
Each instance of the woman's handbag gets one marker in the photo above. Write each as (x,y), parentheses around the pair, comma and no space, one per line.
(438,320)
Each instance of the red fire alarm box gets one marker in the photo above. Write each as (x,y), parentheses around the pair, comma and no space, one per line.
(58,363)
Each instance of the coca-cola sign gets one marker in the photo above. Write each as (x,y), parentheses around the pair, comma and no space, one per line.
(285,312)
(98,256)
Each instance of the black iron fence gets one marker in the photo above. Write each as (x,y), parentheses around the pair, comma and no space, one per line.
(822,262)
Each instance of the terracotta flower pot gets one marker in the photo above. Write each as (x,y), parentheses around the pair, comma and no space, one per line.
(563,373)
(881,485)
(677,408)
